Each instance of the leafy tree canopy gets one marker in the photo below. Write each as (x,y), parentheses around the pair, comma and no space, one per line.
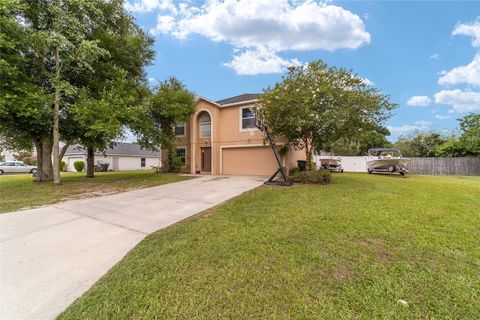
(360,144)
(317,105)
(85,57)
(170,103)
(468,144)
(420,144)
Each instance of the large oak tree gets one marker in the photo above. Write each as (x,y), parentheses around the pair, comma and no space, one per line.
(62,63)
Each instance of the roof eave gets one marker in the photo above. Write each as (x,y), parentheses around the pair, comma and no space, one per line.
(207,100)
(239,103)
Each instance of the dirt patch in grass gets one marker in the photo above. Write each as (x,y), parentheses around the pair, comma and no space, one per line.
(20,192)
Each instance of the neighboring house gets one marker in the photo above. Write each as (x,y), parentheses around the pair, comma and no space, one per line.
(221,138)
(10,155)
(123,156)
(7,155)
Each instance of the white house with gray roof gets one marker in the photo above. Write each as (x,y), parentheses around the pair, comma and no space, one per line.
(122,157)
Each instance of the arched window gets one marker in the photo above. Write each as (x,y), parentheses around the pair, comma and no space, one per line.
(205,125)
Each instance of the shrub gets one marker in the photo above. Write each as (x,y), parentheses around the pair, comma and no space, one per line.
(175,164)
(312,177)
(62,166)
(79,165)
(293,171)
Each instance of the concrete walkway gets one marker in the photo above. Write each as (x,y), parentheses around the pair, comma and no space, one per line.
(50,256)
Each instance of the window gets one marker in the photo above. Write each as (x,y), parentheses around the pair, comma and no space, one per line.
(205,125)
(180,129)
(8,164)
(248,118)
(19,164)
(142,162)
(181,154)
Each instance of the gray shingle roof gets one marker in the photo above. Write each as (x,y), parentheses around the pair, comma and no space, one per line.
(239,99)
(121,148)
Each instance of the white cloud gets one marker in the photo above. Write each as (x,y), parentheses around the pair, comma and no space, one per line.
(471,29)
(435,56)
(261,29)
(275,24)
(402,129)
(440,117)
(423,123)
(165,24)
(151,79)
(469,74)
(151,5)
(461,101)
(368,82)
(419,101)
(257,61)
(419,125)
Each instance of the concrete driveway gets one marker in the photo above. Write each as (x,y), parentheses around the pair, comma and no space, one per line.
(50,256)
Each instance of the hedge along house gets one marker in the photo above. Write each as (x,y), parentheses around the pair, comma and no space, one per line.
(123,156)
(221,139)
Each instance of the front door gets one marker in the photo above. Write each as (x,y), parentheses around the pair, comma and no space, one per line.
(206,159)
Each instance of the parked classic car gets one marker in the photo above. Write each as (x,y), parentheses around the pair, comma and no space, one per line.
(16,167)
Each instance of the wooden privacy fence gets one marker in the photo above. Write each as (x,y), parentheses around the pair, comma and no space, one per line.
(465,166)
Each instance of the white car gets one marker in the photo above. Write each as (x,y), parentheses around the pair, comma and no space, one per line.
(16,167)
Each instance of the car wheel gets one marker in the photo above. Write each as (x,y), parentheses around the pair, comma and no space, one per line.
(1,172)
(392,168)
(369,171)
(402,173)
(33,171)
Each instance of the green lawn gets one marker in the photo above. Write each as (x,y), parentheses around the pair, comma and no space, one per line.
(19,192)
(350,250)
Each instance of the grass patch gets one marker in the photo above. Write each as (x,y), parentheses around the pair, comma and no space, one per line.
(349,250)
(20,192)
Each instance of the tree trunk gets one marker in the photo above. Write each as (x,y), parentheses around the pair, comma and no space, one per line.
(56,111)
(308,153)
(38,147)
(64,150)
(44,160)
(90,162)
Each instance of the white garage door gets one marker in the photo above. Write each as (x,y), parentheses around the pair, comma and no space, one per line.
(252,161)
(71,161)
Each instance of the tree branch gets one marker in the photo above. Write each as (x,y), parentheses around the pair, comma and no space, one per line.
(64,149)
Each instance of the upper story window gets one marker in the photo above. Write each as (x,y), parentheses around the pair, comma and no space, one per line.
(205,125)
(180,129)
(248,118)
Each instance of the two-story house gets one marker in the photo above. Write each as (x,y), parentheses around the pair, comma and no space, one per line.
(221,139)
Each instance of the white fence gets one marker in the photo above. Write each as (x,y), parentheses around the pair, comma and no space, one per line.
(349,163)
(468,166)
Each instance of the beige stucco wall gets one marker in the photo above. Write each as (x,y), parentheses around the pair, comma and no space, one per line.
(226,132)
(292,157)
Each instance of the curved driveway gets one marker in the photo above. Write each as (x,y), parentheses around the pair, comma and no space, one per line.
(50,256)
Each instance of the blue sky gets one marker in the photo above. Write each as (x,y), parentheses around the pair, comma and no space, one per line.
(424,54)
